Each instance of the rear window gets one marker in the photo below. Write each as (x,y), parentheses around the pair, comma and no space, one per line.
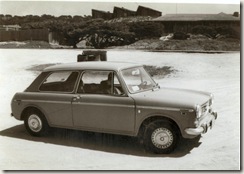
(63,81)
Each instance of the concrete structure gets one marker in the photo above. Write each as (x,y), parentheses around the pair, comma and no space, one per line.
(122,12)
(145,11)
(92,55)
(101,14)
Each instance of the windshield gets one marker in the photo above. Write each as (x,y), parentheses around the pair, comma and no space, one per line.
(137,79)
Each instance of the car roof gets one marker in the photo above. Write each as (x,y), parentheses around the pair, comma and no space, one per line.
(96,65)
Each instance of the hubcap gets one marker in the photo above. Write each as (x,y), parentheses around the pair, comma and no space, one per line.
(162,138)
(35,123)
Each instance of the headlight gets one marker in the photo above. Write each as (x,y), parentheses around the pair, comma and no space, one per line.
(198,111)
(211,99)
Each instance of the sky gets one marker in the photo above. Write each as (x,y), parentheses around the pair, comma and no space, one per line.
(82,8)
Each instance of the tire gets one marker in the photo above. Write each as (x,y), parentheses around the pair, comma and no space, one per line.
(160,137)
(36,123)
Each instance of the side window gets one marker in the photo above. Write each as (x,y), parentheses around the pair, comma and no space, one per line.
(57,77)
(63,81)
(98,82)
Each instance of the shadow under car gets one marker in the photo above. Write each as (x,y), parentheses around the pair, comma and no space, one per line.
(99,141)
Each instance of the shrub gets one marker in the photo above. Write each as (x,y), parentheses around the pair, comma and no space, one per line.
(229,32)
(104,35)
(205,30)
(145,30)
(180,36)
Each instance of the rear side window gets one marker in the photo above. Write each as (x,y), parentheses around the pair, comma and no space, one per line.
(58,77)
(63,81)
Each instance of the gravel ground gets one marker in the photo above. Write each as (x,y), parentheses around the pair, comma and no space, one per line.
(219,149)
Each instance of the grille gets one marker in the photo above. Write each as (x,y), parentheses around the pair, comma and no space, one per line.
(205,108)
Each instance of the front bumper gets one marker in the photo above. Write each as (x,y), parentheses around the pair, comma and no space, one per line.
(206,123)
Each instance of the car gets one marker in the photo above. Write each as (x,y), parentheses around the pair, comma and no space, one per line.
(115,98)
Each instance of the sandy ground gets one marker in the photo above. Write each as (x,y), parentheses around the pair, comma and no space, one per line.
(219,149)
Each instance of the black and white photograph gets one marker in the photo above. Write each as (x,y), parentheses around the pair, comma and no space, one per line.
(120,86)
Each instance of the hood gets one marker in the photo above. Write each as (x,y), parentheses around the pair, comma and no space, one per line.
(172,98)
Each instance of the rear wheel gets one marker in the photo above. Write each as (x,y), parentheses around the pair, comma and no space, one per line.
(35,123)
(160,137)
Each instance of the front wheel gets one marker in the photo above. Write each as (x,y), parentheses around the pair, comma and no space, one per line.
(160,137)
(35,123)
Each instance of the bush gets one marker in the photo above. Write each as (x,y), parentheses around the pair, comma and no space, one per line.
(205,30)
(180,36)
(104,35)
(229,32)
(145,30)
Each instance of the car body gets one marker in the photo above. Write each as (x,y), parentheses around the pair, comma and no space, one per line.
(113,97)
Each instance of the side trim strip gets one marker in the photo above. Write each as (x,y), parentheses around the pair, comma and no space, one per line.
(46,101)
(104,104)
(162,108)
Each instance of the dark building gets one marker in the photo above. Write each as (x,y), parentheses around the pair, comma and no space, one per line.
(101,14)
(185,22)
(122,12)
(145,11)
(24,35)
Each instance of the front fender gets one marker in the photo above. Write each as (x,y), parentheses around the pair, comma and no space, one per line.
(179,118)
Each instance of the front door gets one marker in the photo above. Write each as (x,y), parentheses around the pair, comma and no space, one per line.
(101,105)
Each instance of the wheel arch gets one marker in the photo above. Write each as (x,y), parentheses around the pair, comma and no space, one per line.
(30,108)
(150,119)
